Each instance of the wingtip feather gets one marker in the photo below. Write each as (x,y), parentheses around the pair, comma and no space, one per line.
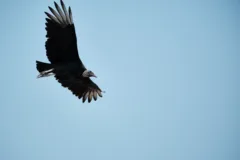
(99,93)
(90,96)
(65,12)
(60,13)
(52,17)
(95,95)
(70,15)
(56,15)
(85,96)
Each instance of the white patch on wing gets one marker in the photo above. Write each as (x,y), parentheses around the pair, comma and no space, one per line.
(56,15)
(99,93)
(65,12)
(60,12)
(85,96)
(61,16)
(90,96)
(95,95)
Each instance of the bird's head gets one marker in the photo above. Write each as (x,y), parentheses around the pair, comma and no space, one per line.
(88,73)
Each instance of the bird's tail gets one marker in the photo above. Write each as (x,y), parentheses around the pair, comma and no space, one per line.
(45,69)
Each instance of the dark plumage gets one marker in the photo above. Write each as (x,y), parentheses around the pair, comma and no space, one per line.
(62,52)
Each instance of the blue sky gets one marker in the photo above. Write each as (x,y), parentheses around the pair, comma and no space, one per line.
(170,70)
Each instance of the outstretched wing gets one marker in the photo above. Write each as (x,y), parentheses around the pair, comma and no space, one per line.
(83,88)
(61,44)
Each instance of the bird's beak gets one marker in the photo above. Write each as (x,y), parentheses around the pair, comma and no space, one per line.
(93,75)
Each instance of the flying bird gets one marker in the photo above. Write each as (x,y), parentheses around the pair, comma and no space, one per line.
(61,50)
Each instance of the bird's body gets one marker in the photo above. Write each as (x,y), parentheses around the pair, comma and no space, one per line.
(62,52)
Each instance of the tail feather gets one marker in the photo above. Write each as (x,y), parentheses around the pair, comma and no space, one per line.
(45,69)
(41,66)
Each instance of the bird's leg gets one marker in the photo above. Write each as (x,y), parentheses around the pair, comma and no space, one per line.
(45,73)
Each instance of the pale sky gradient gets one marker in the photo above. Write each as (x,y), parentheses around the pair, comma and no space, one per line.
(170,70)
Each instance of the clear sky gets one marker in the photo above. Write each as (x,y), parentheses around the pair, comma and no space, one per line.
(170,70)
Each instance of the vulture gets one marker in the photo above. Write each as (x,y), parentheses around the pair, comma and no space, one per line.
(61,50)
